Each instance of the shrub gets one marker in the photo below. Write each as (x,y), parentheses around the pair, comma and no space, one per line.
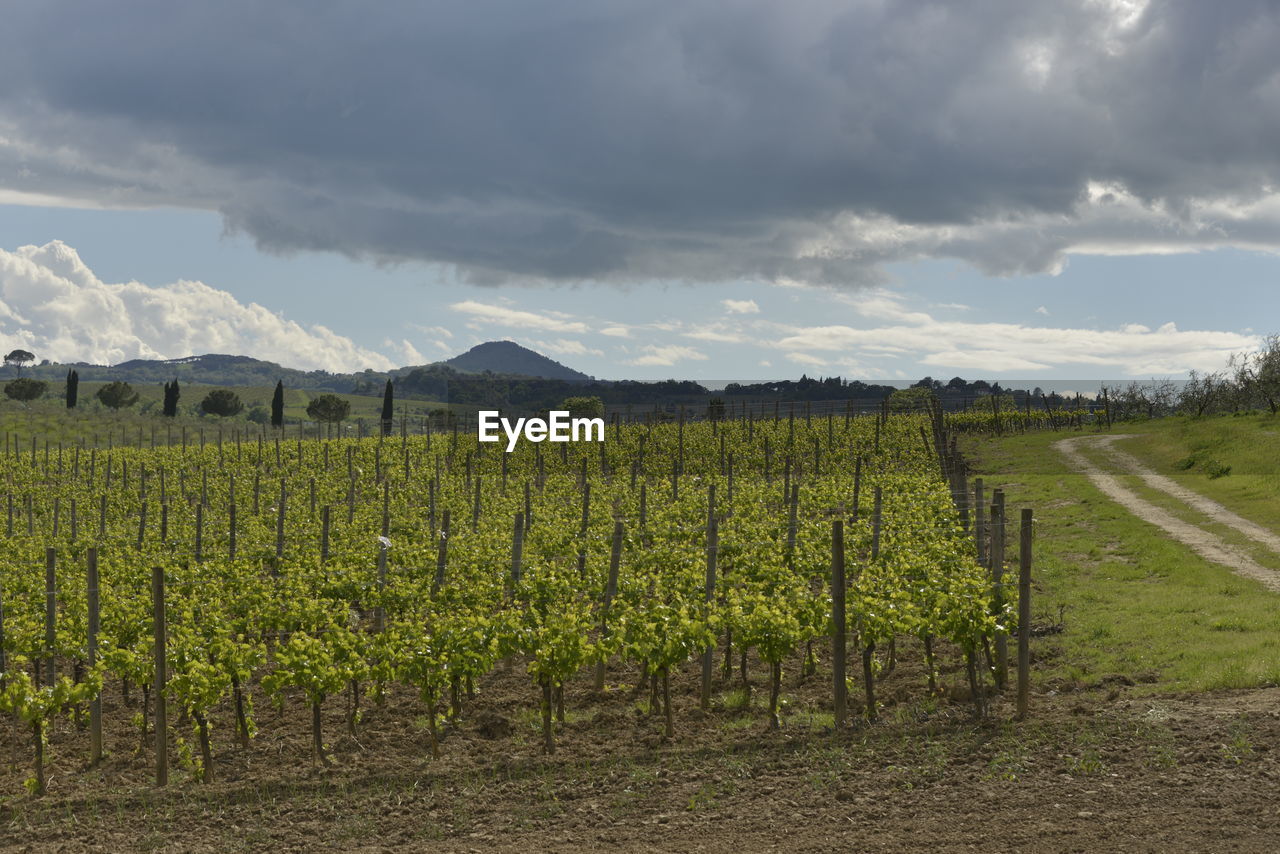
(117,395)
(24,389)
(221,402)
(328,407)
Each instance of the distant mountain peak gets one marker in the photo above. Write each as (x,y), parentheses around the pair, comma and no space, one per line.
(508,357)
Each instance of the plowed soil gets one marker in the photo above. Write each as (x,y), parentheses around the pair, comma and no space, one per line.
(1092,769)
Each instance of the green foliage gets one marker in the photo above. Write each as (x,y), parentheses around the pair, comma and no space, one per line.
(221,402)
(277,405)
(24,389)
(914,399)
(388,407)
(19,357)
(1215,469)
(117,395)
(329,408)
(171,395)
(583,407)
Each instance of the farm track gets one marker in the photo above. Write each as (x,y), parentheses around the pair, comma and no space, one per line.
(1204,543)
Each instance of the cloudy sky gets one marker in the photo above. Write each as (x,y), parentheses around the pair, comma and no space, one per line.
(697,188)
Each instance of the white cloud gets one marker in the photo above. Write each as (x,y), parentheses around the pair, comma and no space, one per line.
(986,347)
(565,347)
(616,331)
(52,304)
(741,306)
(500,315)
(765,363)
(666,356)
(718,334)
(408,354)
(1042,310)
(807,359)
(441,331)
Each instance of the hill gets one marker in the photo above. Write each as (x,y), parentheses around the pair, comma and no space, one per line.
(505,358)
(209,369)
(510,359)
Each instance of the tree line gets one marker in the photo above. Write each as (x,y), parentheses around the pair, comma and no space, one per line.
(1249,381)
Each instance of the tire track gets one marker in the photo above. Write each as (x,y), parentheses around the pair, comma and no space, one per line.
(1207,506)
(1202,542)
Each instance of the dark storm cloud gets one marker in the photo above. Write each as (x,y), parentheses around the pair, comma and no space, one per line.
(628,140)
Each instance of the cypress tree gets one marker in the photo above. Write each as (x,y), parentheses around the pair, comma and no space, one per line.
(388,409)
(277,405)
(73,388)
(171,395)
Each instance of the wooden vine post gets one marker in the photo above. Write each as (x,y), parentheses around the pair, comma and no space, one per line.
(95,705)
(997,585)
(610,590)
(1024,615)
(979,522)
(709,592)
(839,651)
(160,680)
(442,553)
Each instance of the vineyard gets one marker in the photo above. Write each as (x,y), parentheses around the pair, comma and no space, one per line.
(206,580)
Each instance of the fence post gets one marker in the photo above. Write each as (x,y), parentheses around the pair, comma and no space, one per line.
(877,511)
(95,705)
(839,650)
(50,612)
(379,614)
(324,534)
(280,527)
(3,661)
(709,591)
(997,585)
(442,552)
(231,521)
(200,533)
(979,521)
(161,677)
(517,547)
(1024,615)
(610,590)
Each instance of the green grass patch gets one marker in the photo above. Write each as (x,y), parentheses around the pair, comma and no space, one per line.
(1132,601)
(1191,450)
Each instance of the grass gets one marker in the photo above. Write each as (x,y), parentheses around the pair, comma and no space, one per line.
(1134,602)
(1248,444)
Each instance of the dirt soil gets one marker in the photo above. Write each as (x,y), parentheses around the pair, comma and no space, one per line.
(1091,770)
(1204,543)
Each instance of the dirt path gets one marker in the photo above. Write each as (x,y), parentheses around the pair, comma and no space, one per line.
(1207,545)
(1207,506)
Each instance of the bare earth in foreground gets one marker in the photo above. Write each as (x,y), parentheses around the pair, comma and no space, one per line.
(1093,770)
